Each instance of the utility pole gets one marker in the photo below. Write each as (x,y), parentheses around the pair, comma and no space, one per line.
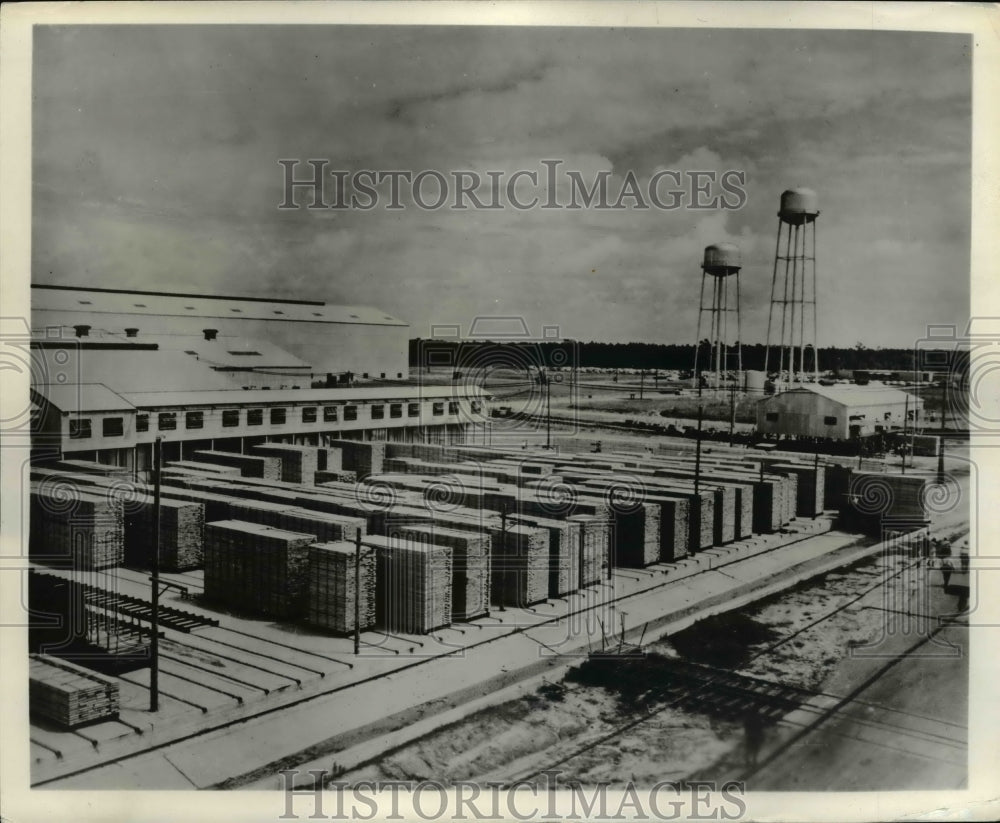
(154,640)
(732,413)
(548,410)
(940,472)
(697,455)
(357,592)
(642,382)
(503,557)
(906,414)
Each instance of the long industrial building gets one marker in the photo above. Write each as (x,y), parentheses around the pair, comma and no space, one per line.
(114,370)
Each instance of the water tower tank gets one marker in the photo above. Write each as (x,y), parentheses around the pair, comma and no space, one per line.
(799,206)
(722,259)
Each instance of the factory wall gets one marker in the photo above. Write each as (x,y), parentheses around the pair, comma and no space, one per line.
(803,414)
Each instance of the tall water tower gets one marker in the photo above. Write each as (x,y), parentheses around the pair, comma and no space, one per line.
(721,262)
(793,289)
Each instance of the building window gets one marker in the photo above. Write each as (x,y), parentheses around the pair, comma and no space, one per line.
(255,417)
(277,416)
(365,375)
(413,409)
(477,406)
(350,412)
(79,428)
(452,407)
(113,426)
(887,416)
(399,375)
(829,421)
(230,418)
(166,421)
(438,409)
(308,414)
(771,417)
(378,412)
(382,375)
(395,410)
(329,414)
(194,420)
(142,422)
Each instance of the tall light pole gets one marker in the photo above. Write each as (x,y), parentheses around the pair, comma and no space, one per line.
(154,640)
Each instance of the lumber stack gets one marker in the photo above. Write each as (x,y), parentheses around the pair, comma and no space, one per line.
(879,501)
(92,467)
(266,468)
(363,458)
(299,464)
(335,476)
(212,469)
(334,587)
(182,526)
(414,584)
(75,527)
(470,591)
(520,573)
(69,695)
(593,538)
(255,568)
(564,574)
(809,493)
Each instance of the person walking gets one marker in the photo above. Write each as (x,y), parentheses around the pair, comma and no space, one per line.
(947,567)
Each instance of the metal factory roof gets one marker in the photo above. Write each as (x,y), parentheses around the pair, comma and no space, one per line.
(857,395)
(230,352)
(81,301)
(152,399)
(82,397)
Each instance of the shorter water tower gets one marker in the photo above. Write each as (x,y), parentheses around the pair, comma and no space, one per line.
(720,266)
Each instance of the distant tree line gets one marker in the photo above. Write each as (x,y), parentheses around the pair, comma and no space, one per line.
(485,354)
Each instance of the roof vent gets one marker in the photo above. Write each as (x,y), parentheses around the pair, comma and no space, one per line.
(82,331)
(132,332)
(210,333)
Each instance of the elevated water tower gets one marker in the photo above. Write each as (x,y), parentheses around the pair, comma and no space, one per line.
(791,321)
(720,266)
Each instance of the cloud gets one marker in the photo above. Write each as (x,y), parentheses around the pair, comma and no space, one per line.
(156,149)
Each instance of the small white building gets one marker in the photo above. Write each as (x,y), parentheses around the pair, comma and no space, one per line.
(839,412)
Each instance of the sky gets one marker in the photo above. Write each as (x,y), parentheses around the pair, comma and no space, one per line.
(156,148)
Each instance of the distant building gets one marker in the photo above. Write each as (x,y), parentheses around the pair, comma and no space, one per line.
(839,412)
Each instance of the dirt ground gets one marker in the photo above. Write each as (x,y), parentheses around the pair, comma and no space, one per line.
(564,724)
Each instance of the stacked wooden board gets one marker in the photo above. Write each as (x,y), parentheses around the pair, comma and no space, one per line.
(299,464)
(81,529)
(520,565)
(414,584)
(69,695)
(182,526)
(256,568)
(363,458)
(332,587)
(877,502)
(266,468)
(470,592)
(335,476)
(203,468)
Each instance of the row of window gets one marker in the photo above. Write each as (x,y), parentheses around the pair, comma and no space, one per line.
(80,428)
(772,417)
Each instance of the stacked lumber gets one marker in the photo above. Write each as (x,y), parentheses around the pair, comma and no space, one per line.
(69,695)
(414,584)
(363,458)
(92,467)
(470,591)
(592,538)
(299,464)
(203,468)
(564,574)
(328,528)
(181,534)
(876,502)
(810,497)
(257,568)
(334,476)
(75,527)
(216,506)
(520,573)
(334,587)
(266,468)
